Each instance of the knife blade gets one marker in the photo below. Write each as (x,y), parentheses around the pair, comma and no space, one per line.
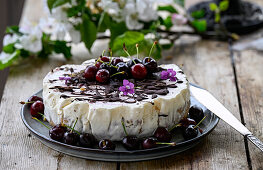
(212,104)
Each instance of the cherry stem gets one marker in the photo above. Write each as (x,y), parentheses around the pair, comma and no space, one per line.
(40,122)
(174,126)
(126,51)
(72,129)
(122,72)
(75,123)
(110,52)
(137,48)
(154,44)
(199,122)
(109,64)
(164,143)
(43,116)
(124,128)
(22,102)
(103,52)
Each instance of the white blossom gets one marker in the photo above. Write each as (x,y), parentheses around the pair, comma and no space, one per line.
(10,39)
(178,19)
(32,41)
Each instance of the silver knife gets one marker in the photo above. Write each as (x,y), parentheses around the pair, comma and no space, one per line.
(210,102)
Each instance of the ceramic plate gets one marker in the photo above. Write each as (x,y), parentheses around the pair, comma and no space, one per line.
(120,154)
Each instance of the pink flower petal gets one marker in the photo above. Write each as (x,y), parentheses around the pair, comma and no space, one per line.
(125,82)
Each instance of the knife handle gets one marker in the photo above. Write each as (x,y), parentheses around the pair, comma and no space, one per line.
(255,141)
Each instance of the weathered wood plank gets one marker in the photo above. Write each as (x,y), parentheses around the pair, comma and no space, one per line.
(208,64)
(250,82)
(18,149)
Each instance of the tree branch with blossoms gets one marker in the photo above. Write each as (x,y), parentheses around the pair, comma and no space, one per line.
(122,21)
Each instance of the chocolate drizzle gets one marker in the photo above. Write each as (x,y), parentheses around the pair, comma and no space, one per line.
(78,87)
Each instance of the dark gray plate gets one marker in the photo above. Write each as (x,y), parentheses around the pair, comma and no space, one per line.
(120,154)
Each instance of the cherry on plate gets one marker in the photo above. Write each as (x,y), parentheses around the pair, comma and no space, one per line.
(106,144)
(131,62)
(131,142)
(196,113)
(36,108)
(86,140)
(149,143)
(57,132)
(71,138)
(190,132)
(116,60)
(162,134)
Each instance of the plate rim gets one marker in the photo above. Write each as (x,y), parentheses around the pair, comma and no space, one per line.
(49,140)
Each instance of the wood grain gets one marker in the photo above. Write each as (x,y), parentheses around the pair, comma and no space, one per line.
(208,64)
(250,82)
(18,149)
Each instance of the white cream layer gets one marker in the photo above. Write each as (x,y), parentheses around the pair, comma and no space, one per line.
(103,119)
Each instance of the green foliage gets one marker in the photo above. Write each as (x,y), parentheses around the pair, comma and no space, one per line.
(55,3)
(179,2)
(130,38)
(168,8)
(168,22)
(6,62)
(13,30)
(198,14)
(9,48)
(223,5)
(213,6)
(116,30)
(199,25)
(88,31)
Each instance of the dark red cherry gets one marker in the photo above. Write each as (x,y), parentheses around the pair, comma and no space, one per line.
(131,62)
(131,142)
(149,143)
(185,122)
(190,132)
(86,140)
(116,60)
(35,98)
(150,64)
(57,132)
(90,73)
(162,134)
(122,67)
(105,66)
(105,59)
(71,138)
(97,64)
(103,76)
(139,71)
(106,144)
(36,108)
(196,113)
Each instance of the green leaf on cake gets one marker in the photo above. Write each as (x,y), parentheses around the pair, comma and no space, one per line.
(88,31)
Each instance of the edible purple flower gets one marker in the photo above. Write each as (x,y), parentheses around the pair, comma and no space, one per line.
(169,74)
(127,87)
(65,78)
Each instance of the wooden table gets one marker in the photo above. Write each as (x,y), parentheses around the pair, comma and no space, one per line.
(234,78)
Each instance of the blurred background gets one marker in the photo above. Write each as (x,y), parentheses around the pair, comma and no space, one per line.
(10,14)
